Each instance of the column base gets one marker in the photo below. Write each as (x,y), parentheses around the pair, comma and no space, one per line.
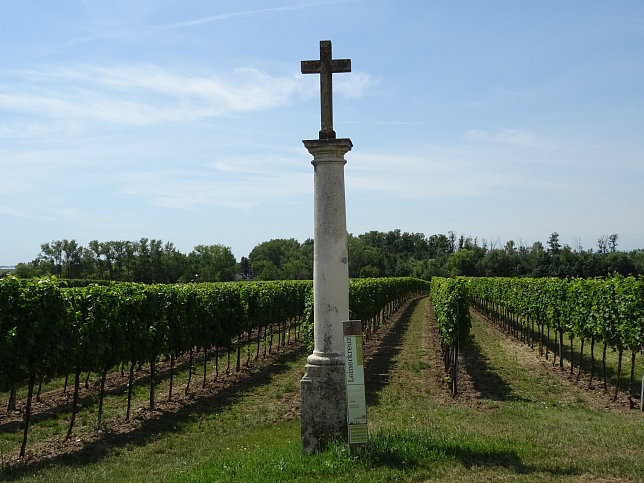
(323,404)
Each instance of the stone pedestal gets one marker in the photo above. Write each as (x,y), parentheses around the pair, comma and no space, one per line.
(323,387)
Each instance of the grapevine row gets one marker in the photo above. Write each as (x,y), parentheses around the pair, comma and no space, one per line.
(48,330)
(602,310)
(372,300)
(451,305)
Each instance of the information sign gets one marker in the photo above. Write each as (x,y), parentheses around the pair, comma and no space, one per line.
(354,369)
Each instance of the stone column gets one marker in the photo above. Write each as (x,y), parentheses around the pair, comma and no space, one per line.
(323,387)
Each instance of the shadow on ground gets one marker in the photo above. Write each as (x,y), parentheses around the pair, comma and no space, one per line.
(487,383)
(166,422)
(409,451)
(56,403)
(379,366)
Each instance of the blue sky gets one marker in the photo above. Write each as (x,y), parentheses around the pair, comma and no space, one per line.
(183,120)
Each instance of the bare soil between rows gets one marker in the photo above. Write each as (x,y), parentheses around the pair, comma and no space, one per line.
(478,382)
(144,422)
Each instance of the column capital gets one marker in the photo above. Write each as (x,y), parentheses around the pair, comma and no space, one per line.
(328,150)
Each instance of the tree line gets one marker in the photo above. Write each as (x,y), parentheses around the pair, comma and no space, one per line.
(372,254)
(146,261)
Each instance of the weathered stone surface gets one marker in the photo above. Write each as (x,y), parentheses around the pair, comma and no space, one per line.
(323,387)
(326,67)
(323,407)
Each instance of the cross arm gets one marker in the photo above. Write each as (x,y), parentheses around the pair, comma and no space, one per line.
(337,65)
(310,66)
(341,65)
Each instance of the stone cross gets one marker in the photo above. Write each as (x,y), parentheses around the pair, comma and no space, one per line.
(323,389)
(326,66)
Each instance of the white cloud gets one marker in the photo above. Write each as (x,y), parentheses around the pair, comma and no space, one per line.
(398,123)
(247,13)
(353,85)
(348,85)
(436,176)
(509,137)
(196,190)
(141,94)
(14,213)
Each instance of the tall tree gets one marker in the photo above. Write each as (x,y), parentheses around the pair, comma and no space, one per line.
(244,268)
(213,263)
(612,242)
(602,244)
(279,259)
(463,262)
(553,243)
(72,258)
(53,253)
(364,260)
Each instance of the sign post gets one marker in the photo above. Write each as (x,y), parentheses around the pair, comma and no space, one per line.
(354,369)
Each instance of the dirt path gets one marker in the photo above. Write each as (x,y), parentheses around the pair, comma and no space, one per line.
(379,351)
(594,396)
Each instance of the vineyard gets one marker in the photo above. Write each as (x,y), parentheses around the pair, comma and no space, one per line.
(48,330)
(606,311)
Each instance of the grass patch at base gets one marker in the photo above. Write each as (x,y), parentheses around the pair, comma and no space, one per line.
(267,455)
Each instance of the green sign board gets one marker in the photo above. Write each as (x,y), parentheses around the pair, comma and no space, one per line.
(354,370)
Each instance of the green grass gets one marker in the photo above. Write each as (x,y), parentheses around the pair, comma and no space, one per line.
(551,345)
(527,426)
